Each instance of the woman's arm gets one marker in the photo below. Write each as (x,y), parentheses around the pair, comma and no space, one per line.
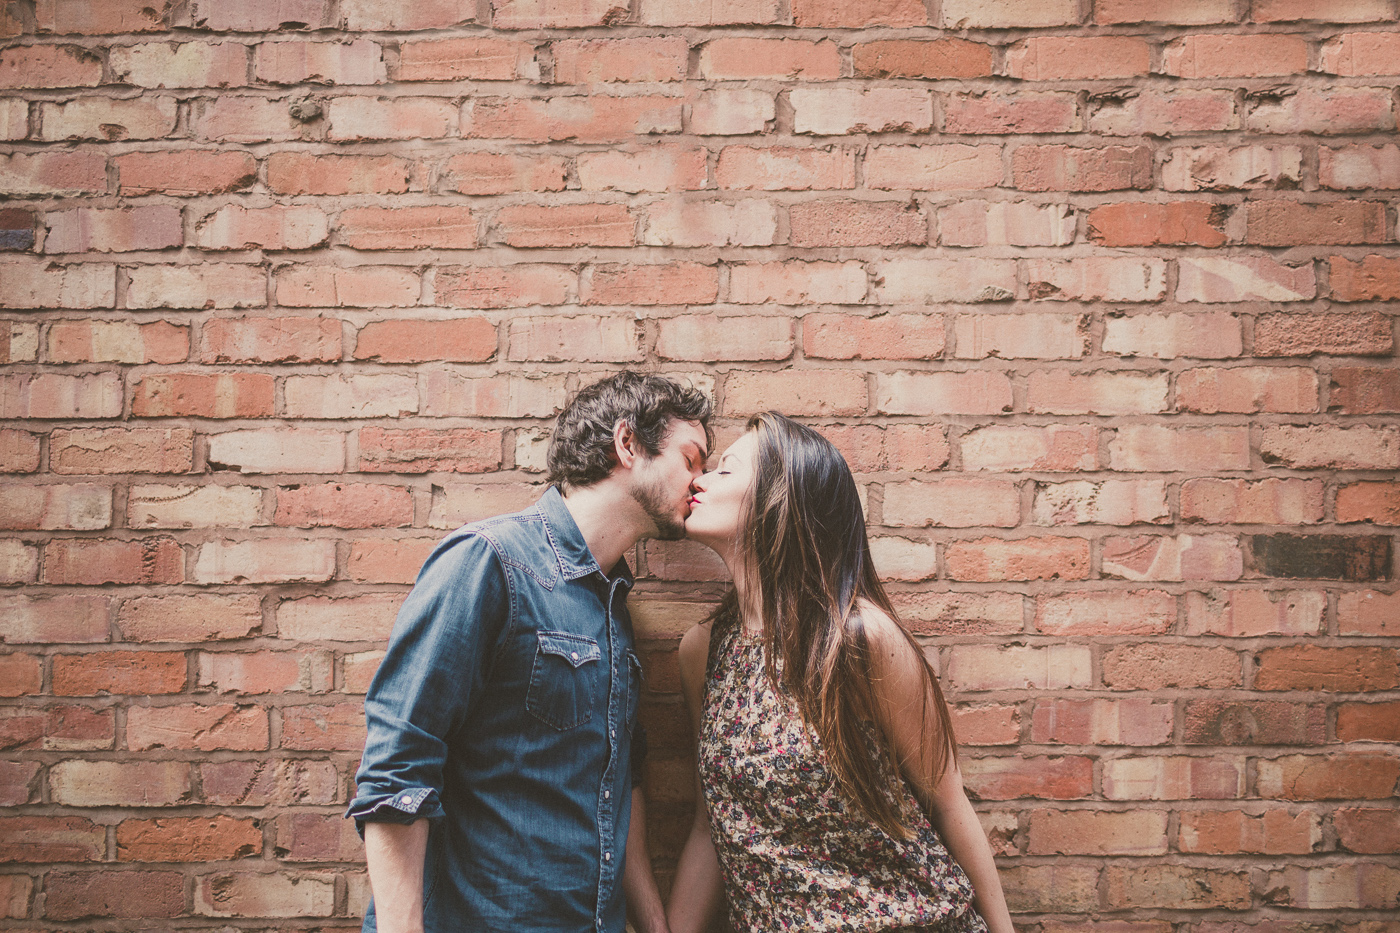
(901,696)
(698,889)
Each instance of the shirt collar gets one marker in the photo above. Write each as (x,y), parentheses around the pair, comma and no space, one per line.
(575,559)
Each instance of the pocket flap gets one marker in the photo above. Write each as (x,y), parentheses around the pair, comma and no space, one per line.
(576,649)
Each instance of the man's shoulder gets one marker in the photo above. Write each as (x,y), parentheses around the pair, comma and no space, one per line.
(510,538)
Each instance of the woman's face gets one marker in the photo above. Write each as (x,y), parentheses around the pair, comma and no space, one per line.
(717,503)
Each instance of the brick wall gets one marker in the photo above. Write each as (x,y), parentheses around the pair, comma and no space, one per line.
(1097,297)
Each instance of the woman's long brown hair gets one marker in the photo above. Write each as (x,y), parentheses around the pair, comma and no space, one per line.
(806,560)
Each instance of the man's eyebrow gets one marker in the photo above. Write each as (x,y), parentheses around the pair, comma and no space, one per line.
(704,454)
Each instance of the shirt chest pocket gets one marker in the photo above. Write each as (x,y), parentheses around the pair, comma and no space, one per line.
(565,679)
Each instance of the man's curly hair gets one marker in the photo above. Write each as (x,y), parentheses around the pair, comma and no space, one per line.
(581,450)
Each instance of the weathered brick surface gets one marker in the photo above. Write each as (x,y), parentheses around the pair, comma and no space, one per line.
(1097,297)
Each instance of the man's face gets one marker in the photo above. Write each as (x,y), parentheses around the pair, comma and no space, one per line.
(661,484)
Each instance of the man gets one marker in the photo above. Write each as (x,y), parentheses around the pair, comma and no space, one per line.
(496,793)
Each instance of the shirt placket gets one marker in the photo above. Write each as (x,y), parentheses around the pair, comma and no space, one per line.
(609,858)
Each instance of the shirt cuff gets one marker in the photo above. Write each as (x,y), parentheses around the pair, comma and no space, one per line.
(402,806)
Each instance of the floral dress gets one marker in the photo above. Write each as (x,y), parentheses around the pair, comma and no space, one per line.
(793,855)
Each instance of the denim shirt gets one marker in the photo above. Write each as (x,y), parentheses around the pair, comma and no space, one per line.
(504,713)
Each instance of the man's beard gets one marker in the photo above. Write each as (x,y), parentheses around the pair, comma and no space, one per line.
(650,497)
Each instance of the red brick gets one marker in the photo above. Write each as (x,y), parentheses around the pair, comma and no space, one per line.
(1055,448)
(207,728)
(932,281)
(1372,832)
(1066,778)
(186,65)
(1309,667)
(1154,667)
(1231,832)
(1247,389)
(361,118)
(338,728)
(857,223)
(113,450)
(683,560)
(843,14)
(1368,612)
(918,393)
(269,228)
(1158,449)
(464,340)
(1236,56)
(592,119)
(1373,278)
(316,837)
(1349,167)
(1174,778)
(1361,53)
(121,230)
(188,839)
(261,894)
(55,66)
(1177,887)
(590,339)
(455,396)
(532,225)
(1085,832)
(60,728)
(1333,111)
(719,13)
(1056,58)
(732,112)
(1183,557)
(1058,887)
(48,395)
(359,61)
(974,14)
(1354,333)
(777,59)
(267,672)
(837,111)
(676,283)
(909,58)
(1289,223)
(795,392)
(20,674)
(59,618)
(989,559)
(1226,722)
(269,782)
(265,560)
(19,451)
(1020,336)
(184,173)
(1064,168)
(277,450)
(208,285)
(344,505)
(1141,612)
(423,450)
(902,559)
(92,341)
(1225,168)
(330,174)
(893,337)
(1352,776)
(1110,502)
(982,113)
(1343,11)
(1364,391)
(933,168)
(773,168)
(260,15)
(1102,722)
(750,222)
(964,613)
(407,228)
(797,283)
(1377,503)
(1001,223)
(270,340)
(56,507)
(235,119)
(1061,392)
(32,285)
(51,839)
(1329,447)
(175,618)
(301,286)
(57,173)
(134,673)
(952,503)
(653,168)
(405,15)
(509,286)
(986,725)
(107,119)
(1162,113)
(17,786)
(92,562)
(204,395)
(394,560)
(1097,278)
(595,61)
(708,338)
(1176,12)
(1180,223)
(123,894)
(1250,613)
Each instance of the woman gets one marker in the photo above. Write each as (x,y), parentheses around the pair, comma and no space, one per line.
(827,771)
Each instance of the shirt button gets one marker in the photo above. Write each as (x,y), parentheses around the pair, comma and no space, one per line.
(607,856)
(612,733)
(607,795)
(574,655)
(405,800)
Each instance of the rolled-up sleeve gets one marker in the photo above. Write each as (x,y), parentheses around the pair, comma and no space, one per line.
(438,654)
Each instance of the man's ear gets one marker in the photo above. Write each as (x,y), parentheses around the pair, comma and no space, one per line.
(624,444)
